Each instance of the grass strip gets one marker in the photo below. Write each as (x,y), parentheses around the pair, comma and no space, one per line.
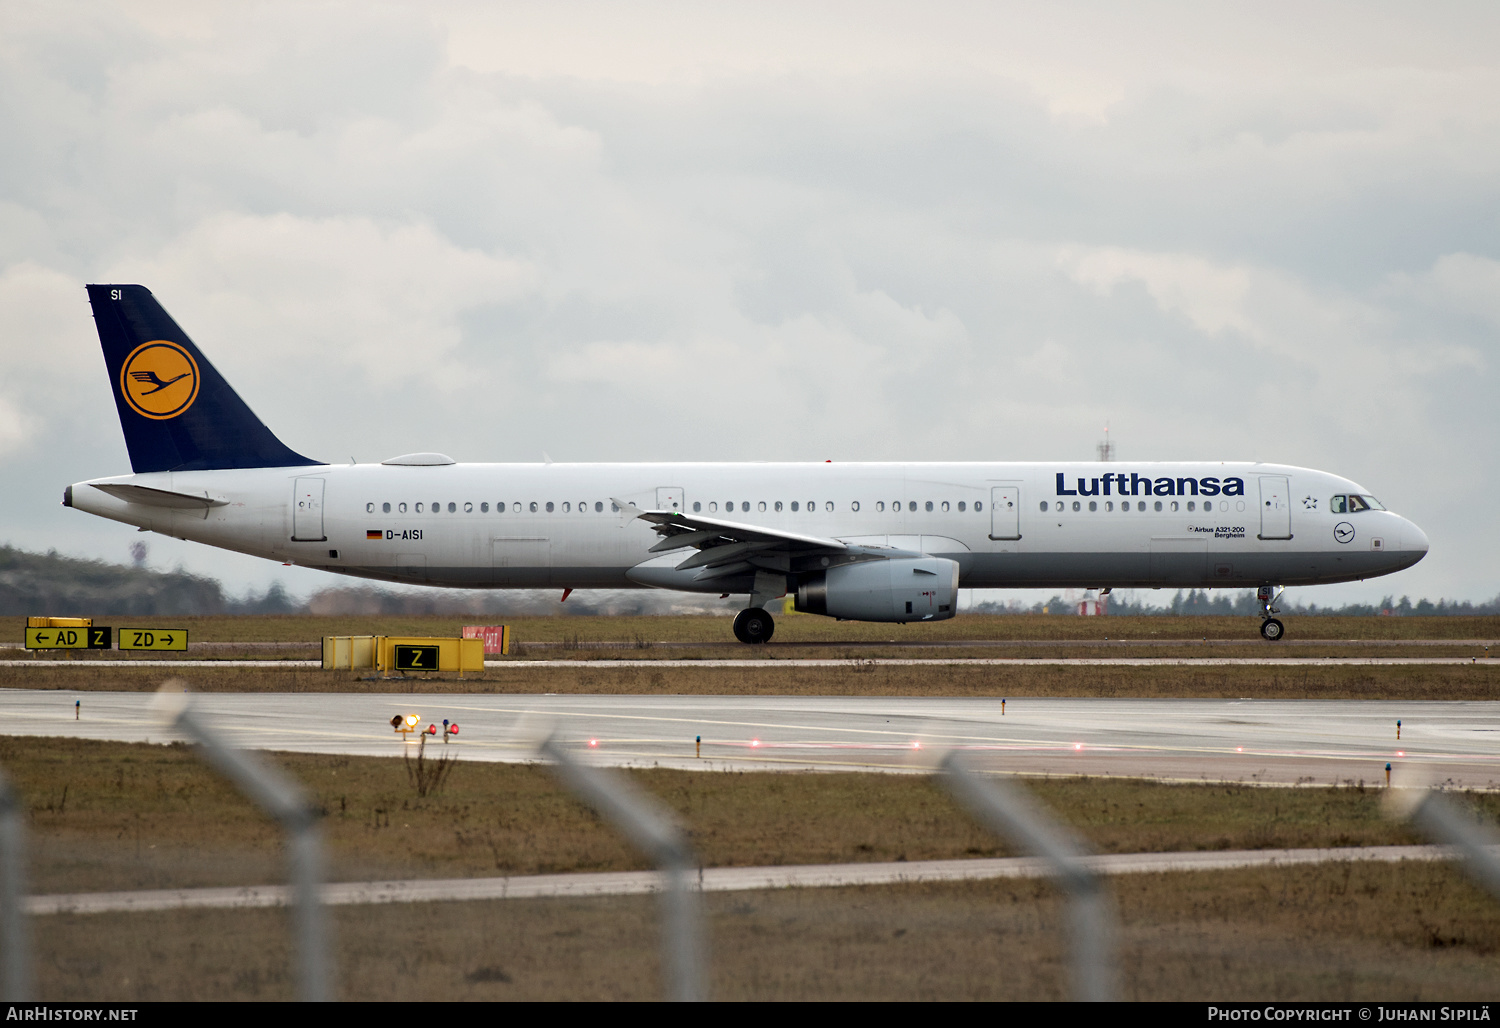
(108,816)
(1350,932)
(644,631)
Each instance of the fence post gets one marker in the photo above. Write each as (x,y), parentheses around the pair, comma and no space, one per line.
(283,800)
(15,937)
(1441,820)
(1009,812)
(651,830)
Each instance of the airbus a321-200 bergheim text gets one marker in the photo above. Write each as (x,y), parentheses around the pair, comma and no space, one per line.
(859,542)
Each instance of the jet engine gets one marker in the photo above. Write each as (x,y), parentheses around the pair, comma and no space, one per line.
(900,589)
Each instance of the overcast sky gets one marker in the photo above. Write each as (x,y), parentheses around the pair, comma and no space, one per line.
(784,231)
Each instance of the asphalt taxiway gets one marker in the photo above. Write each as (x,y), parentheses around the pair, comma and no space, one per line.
(1272,742)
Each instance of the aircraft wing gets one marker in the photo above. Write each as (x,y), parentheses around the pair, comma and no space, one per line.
(726,548)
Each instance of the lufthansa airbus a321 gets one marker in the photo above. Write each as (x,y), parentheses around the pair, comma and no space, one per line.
(859,542)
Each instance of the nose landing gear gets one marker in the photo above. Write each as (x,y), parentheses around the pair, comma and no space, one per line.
(1271,629)
(753,625)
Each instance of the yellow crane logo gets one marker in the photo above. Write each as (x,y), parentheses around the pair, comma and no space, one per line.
(159,380)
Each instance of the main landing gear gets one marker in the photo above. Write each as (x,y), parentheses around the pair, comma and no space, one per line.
(753,625)
(1271,629)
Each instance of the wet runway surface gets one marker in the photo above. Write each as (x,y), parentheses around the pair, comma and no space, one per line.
(1274,742)
(819,662)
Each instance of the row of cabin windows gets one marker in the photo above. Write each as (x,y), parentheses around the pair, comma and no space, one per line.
(1192,505)
(484,508)
(828,505)
(567,508)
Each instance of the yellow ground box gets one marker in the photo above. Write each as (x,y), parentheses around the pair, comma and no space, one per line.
(351,652)
(417,653)
(402,653)
(45,622)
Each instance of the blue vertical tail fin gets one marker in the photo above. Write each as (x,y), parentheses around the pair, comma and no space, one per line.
(176,410)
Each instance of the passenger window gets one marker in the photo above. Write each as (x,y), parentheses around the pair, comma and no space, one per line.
(369,508)
(419,508)
(1158,505)
(533,506)
(385,508)
(979,506)
(1044,506)
(697,507)
(599,506)
(912,506)
(402,508)
(761,506)
(929,506)
(549,506)
(854,506)
(1076,505)
(962,506)
(778,506)
(794,506)
(945,506)
(745,506)
(614,507)
(1192,506)
(729,507)
(516,506)
(567,507)
(1336,505)
(828,506)
(713,507)
(1093,505)
(896,505)
(484,508)
(812,505)
(880,505)
(1109,505)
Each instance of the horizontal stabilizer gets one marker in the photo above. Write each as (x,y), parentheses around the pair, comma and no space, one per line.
(149,497)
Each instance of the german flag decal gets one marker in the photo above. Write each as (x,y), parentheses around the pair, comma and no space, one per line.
(374,533)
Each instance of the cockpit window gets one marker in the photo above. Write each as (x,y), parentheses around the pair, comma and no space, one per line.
(1374,503)
(1337,505)
(1357,503)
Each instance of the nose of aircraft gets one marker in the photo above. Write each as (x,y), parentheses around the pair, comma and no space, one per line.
(1416,540)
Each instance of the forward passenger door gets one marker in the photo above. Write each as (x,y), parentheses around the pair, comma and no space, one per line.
(1275,507)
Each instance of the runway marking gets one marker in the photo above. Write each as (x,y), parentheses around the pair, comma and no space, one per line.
(717,879)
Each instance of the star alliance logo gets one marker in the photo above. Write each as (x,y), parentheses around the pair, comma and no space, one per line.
(1309,503)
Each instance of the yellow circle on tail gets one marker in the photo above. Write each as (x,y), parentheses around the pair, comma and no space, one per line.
(159,380)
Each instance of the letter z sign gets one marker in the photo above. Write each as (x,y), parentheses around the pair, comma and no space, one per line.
(416,658)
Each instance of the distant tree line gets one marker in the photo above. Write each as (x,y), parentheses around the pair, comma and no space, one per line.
(62,586)
(1242,601)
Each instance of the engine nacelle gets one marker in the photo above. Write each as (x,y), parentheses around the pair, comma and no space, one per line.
(900,589)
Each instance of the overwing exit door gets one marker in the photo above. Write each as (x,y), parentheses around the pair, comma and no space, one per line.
(669,497)
(1005,512)
(307,511)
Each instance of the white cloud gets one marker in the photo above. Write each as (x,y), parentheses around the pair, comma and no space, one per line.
(960,230)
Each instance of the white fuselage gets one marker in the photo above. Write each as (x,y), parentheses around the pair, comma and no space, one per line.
(559,525)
